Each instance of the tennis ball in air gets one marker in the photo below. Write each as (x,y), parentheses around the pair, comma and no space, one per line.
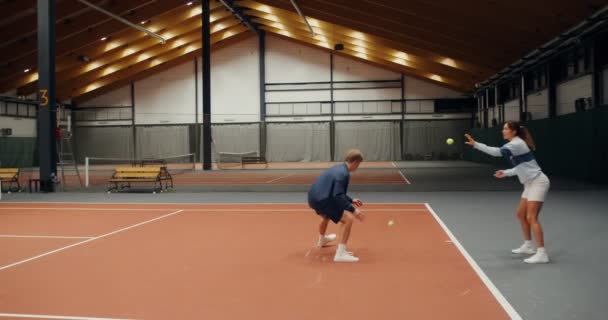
(391,223)
(450,141)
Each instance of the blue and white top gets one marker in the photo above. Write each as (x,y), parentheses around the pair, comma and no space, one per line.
(524,165)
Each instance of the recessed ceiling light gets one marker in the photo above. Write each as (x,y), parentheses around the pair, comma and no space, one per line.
(26,70)
(104,38)
(190,3)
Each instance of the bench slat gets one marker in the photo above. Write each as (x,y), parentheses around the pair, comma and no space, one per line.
(135,175)
(9,170)
(138,169)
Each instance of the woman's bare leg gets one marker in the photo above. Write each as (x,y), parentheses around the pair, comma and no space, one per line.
(522,211)
(533,210)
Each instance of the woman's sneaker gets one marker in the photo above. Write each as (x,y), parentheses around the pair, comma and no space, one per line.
(541,256)
(524,249)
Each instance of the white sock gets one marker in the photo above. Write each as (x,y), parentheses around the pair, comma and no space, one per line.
(528,243)
(321,236)
(541,250)
(341,248)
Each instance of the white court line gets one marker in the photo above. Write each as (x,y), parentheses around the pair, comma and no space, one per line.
(88,240)
(279,178)
(482,275)
(45,316)
(223,210)
(404,178)
(184,203)
(394,165)
(42,237)
(80,209)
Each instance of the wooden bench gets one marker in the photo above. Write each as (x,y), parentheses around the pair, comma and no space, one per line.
(253,160)
(165,175)
(124,176)
(10,175)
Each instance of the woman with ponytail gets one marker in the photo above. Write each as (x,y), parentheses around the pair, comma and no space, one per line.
(536,184)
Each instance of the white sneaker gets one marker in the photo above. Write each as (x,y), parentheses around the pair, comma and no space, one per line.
(345,256)
(524,249)
(539,257)
(323,241)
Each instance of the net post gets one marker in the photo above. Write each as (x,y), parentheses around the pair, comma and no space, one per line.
(86,172)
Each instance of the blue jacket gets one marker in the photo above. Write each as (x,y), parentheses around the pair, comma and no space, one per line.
(331,188)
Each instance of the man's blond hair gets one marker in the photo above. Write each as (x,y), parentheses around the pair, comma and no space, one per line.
(353,155)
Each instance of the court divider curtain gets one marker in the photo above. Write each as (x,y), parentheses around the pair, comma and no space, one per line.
(426,139)
(378,140)
(18,152)
(297,142)
(237,137)
(162,141)
(104,142)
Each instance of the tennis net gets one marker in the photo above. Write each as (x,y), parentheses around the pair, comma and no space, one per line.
(233,159)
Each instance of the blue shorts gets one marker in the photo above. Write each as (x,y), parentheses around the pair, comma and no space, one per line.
(330,210)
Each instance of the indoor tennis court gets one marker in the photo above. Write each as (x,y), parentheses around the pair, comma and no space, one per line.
(303,159)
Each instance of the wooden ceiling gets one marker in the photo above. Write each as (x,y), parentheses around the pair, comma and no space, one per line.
(452,43)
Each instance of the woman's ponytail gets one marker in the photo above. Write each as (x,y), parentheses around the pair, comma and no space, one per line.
(523,133)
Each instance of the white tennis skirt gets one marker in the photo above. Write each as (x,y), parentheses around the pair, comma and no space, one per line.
(537,189)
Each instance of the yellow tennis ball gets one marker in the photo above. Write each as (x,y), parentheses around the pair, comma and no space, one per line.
(450,141)
(391,223)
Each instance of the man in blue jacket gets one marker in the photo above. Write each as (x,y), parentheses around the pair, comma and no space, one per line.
(328,197)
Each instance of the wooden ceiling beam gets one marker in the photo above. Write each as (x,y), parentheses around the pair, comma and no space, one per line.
(15,7)
(491,57)
(439,20)
(125,58)
(138,73)
(462,87)
(327,28)
(128,38)
(374,50)
(116,63)
(91,83)
(92,50)
(412,24)
(85,32)
(25,25)
(482,10)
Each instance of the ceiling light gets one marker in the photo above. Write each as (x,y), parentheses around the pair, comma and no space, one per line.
(26,70)
(190,3)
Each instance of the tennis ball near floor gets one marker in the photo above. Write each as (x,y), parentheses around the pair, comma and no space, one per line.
(391,223)
(450,141)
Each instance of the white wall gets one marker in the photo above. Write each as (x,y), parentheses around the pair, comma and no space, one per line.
(235,90)
(418,89)
(166,97)
(538,104)
(569,91)
(169,97)
(118,98)
(22,127)
(512,110)
(289,62)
